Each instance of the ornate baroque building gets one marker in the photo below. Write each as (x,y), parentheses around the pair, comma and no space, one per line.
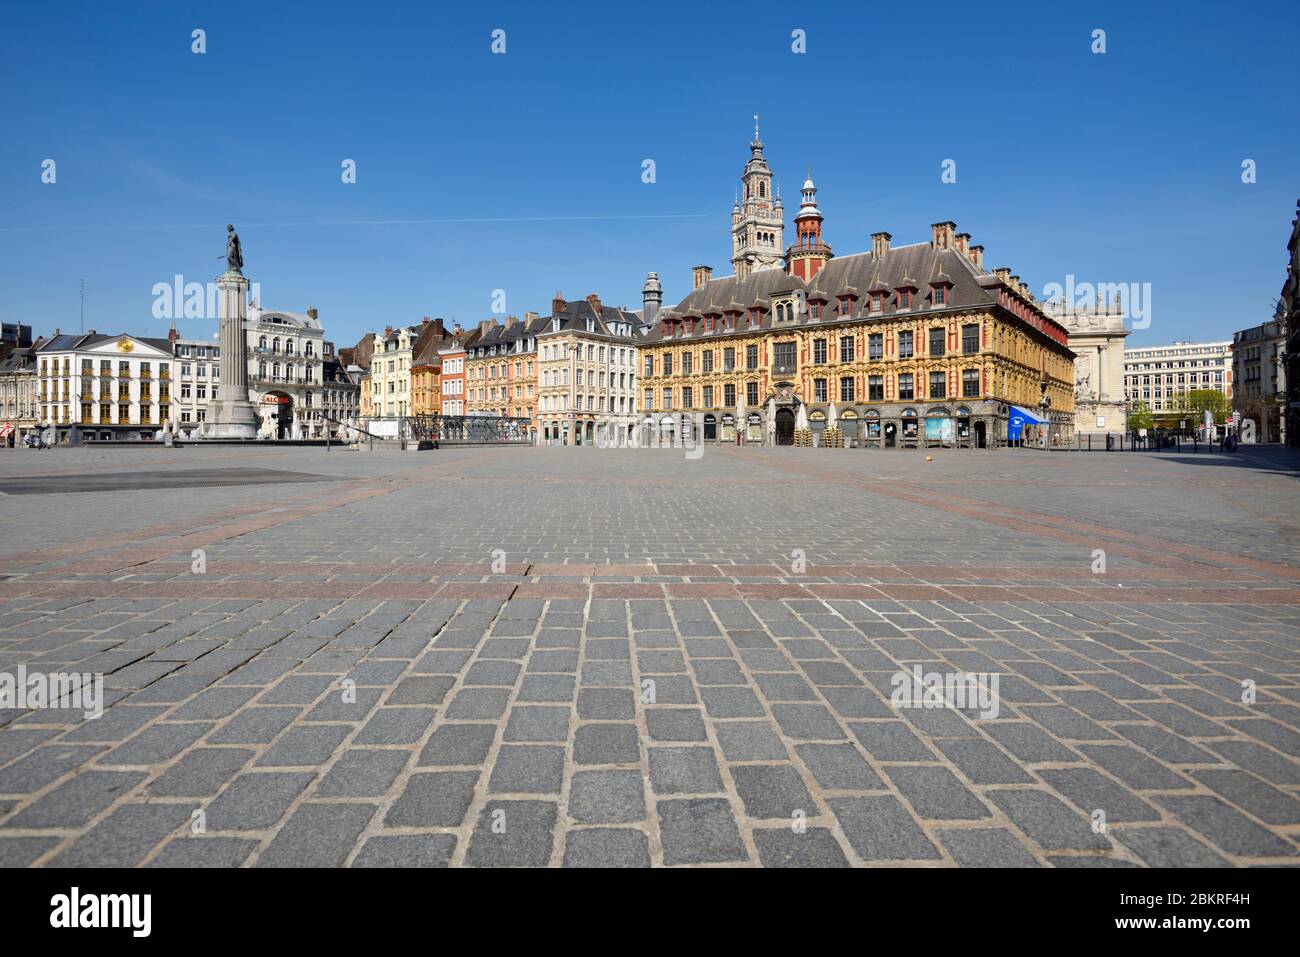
(900,346)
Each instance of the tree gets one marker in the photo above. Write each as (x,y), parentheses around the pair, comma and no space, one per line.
(1194,405)
(1140,417)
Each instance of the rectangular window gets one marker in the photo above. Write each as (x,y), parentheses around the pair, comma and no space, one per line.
(729,394)
(751,393)
(875,388)
(876,345)
(688,397)
(708,396)
(668,365)
(877,301)
(938,339)
(649,365)
(904,299)
(846,348)
(940,295)
(970,383)
(783,354)
(905,387)
(728,360)
(938,385)
(707,361)
(970,339)
(846,388)
(668,398)
(819,352)
(819,390)
(751,357)
(686,363)
(649,398)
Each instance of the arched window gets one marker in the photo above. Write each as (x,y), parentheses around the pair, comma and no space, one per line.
(275,369)
(309,350)
(261,369)
(261,343)
(288,347)
(275,344)
(762,190)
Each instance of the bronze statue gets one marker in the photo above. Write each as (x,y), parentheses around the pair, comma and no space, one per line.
(234,251)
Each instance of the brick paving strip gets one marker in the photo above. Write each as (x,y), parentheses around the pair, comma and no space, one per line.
(502,713)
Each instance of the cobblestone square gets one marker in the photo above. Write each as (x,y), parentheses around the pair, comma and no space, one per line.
(583,657)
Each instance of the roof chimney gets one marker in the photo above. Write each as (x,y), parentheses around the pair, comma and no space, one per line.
(880,244)
(701,275)
(942,234)
(311,311)
(652,297)
(485,325)
(388,331)
(595,302)
(963,243)
(530,316)
(510,322)
(977,256)
(1004,274)
(558,305)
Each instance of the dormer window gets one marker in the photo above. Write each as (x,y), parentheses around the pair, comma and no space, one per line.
(844,306)
(591,325)
(754,317)
(815,310)
(904,299)
(941,294)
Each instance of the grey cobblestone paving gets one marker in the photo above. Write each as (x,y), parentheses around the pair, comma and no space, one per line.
(572,657)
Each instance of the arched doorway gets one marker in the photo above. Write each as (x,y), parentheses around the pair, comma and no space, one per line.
(981,438)
(278,408)
(784,427)
(891,435)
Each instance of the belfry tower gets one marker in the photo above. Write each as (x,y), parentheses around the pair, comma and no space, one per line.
(809,254)
(757,217)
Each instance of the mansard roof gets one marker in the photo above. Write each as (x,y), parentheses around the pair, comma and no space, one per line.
(917,266)
(575,315)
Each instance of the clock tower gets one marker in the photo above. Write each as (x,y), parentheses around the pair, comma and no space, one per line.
(757,226)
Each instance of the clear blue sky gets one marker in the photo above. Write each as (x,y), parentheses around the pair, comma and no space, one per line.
(1122,167)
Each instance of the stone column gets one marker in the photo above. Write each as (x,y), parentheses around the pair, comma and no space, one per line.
(232,416)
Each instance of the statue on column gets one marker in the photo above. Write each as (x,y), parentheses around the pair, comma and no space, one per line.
(234,251)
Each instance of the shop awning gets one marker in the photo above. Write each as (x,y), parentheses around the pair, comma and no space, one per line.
(1018,419)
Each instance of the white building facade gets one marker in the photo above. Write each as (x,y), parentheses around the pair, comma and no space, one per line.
(1097,334)
(1156,375)
(93,387)
(294,378)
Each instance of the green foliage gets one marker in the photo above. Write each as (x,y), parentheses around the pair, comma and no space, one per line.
(1140,417)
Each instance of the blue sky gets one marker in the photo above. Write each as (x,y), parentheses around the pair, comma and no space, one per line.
(522,172)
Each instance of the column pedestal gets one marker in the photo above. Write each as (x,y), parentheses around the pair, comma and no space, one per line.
(232,415)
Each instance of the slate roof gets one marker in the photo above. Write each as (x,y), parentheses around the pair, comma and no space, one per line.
(499,334)
(67,343)
(575,315)
(916,266)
